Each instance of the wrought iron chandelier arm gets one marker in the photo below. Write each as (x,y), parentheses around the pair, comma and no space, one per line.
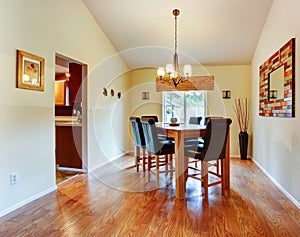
(176,83)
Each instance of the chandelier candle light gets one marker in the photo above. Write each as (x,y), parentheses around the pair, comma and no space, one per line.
(174,79)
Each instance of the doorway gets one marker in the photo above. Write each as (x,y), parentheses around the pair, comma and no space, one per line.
(70,117)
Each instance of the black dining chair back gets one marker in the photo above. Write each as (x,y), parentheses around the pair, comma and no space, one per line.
(139,142)
(216,138)
(215,141)
(195,120)
(137,130)
(151,135)
(196,140)
(154,143)
(147,117)
(209,117)
(155,118)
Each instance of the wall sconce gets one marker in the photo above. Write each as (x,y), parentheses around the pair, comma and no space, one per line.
(145,95)
(226,94)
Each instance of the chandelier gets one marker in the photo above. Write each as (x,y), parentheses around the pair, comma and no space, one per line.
(172,70)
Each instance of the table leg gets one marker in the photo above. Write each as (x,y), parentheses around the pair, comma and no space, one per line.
(179,166)
(227,164)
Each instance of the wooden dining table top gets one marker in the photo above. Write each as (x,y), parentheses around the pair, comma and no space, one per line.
(180,126)
(188,130)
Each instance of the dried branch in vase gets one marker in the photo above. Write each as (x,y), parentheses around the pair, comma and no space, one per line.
(241,109)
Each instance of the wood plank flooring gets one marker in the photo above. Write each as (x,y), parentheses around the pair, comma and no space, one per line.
(114,201)
(62,175)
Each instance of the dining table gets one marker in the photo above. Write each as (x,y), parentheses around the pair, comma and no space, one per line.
(180,132)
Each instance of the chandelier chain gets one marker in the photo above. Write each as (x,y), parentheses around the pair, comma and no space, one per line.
(175,57)
(176,34)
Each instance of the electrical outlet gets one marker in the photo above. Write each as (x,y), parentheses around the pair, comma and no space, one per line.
(14,178)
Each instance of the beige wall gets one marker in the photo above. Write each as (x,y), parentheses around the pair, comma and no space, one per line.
(276,141)
(27,122)
(235,78)
(143,80)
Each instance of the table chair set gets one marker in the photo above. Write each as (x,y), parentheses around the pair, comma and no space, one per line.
(154,149)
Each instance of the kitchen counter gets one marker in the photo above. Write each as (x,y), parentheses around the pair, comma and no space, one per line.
(67,121)
(68,144)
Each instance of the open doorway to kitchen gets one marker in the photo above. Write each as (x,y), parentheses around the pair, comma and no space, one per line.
(70,117)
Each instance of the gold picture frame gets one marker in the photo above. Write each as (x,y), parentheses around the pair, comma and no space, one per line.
(30,71)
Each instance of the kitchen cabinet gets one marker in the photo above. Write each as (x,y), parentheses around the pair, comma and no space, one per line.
(68,144)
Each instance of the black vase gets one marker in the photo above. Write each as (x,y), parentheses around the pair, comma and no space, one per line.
(243,138)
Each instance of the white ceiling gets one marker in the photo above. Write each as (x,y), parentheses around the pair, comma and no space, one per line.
(210,32)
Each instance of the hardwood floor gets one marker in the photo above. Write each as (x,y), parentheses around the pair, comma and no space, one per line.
(62,175)
(116,202)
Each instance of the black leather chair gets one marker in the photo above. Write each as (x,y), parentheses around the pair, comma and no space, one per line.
(194,141)
(139,142)
(195,120)
(206,119)
(211,152)
(155,118)
(209,117)
(201,140)
(162,150)
(147,117)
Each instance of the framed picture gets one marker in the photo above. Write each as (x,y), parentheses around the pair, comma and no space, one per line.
(145,95)
(277,83)
(30,71)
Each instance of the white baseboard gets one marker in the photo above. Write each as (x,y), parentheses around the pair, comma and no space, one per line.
(286,193)
(26,201)
(45,192)
(71,169)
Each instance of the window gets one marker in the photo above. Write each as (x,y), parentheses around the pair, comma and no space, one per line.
(183,104)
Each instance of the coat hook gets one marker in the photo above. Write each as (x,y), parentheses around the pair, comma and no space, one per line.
(104,91)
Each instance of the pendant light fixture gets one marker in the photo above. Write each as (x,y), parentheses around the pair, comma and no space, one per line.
(172,70)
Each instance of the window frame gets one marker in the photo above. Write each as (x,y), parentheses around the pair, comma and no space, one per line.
(184,104)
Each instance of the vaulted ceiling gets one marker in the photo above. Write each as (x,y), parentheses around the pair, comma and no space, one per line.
(210,32)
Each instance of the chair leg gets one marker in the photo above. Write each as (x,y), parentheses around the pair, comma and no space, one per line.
(157,171)
(167,164)
(222,176)
(157,163)
(204,175)
(149,161)
(171,163)
(137,158)
(144,159)
(218,167)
